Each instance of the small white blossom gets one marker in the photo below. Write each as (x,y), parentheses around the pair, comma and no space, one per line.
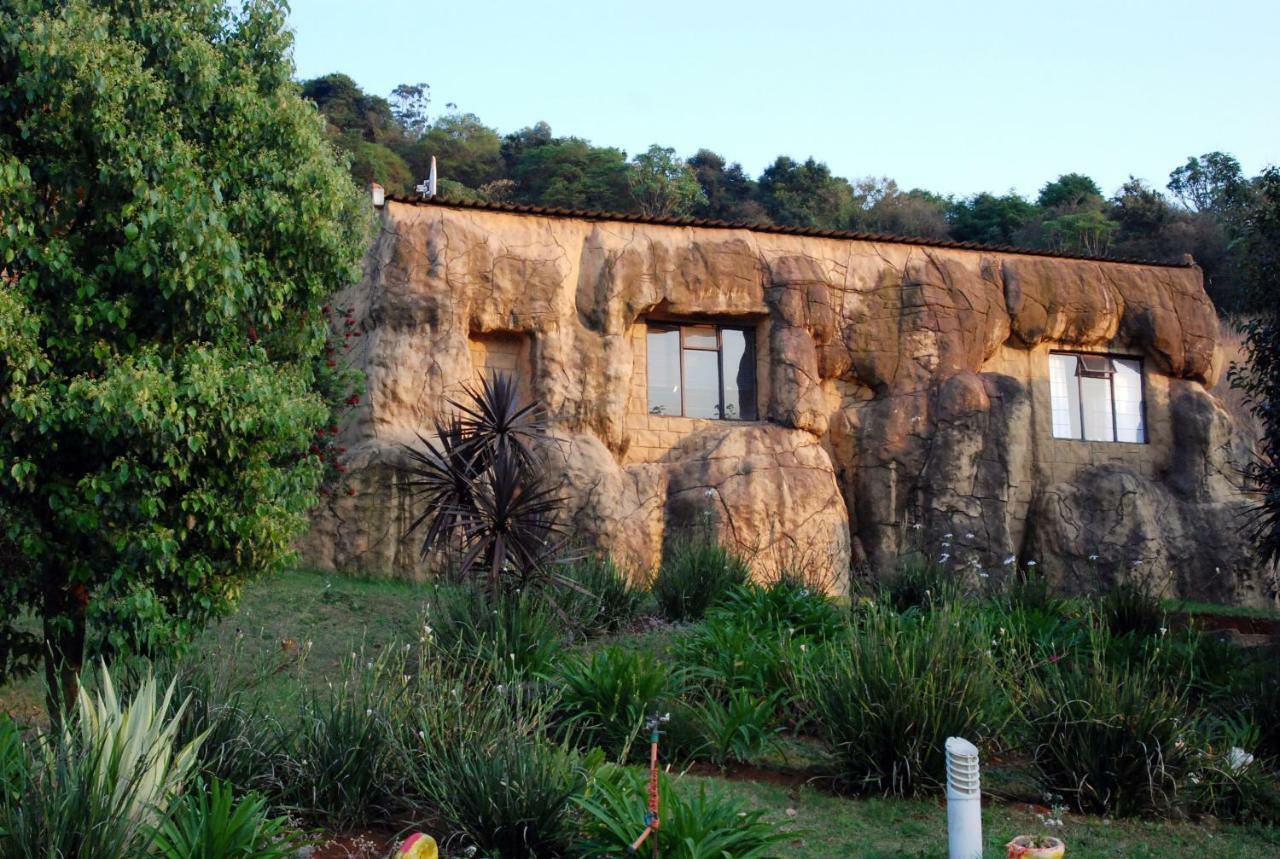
(1031,563)
(1009,561)
(969,536)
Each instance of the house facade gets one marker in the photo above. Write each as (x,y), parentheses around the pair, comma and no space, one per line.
(812,397)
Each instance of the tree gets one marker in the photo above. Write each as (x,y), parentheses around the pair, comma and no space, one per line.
(1069,192)
(409,103)
(347,108)
(1212,182)
(173,220)
(663,185)
(805,194)
(571,173)
(730,193)
(1259,379)
(467,151)
(881,207)
(987,218)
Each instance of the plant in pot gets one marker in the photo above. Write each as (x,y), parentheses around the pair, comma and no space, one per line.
(1044,846)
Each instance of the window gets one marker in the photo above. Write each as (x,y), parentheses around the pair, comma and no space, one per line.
(1096,398)
(702,371)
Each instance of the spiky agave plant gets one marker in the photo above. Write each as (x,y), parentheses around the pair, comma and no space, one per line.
(484,494)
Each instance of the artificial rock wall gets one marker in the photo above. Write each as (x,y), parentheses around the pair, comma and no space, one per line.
(903,397)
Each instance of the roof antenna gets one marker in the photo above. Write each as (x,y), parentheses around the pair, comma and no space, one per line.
(427,189)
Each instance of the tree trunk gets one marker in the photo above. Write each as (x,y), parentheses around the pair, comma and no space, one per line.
(65,609)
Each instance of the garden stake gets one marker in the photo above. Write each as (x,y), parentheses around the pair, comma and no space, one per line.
(651,820)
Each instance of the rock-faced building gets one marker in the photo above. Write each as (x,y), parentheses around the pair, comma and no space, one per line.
(809,394)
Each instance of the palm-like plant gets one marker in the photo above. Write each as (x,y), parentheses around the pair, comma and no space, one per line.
(485,496)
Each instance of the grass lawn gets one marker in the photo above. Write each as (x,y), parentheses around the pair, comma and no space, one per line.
(266,644)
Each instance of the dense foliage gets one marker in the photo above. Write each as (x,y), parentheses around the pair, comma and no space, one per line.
(1259,264)
(172,221)
(1204,214)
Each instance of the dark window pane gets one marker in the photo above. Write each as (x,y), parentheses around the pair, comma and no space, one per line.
(739,375)
(700,337)
(663,346)
(701,384)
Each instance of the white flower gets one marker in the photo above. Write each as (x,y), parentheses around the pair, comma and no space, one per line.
(710,492)
(804,648)
(1238,758)
(1009,561)
(368,712)
(917,526)
(969,536)
(948,536)
(944,557)
(1163,630)
(984,575)
(1031,563)
(1093,557)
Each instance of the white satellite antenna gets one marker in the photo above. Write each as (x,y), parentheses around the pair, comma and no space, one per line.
(427,189)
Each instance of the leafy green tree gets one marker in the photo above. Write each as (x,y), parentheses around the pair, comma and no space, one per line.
(1259,265)
(172,220)
(409,104)
(987,218)
(1213,182)
(662,185)
(881,206)
(730,194)
(571,173)
(805,194)
(467,151)
(1070,191)
(347,108)
(1086,231)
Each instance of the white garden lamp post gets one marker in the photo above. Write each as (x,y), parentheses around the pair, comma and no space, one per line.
(964,800)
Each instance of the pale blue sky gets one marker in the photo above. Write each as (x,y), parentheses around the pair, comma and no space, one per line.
(956,97)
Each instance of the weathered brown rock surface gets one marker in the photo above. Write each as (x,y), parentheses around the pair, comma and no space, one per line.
(903,396)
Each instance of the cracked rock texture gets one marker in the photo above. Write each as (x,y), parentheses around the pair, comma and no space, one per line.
(903,398)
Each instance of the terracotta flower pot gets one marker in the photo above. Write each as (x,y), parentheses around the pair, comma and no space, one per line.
(1021,848)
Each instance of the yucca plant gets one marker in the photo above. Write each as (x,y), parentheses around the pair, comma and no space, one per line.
(100,784)
(485,497)
(695,825)
(210,824)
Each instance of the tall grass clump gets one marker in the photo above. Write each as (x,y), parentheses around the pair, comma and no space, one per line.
(705,823)
(100,784)
(519,633)
(1111,733)
(597,597)
(696,574)
(480,756)
(605,698)
(337,766)
(1132,607)
(916,582)
(888,693)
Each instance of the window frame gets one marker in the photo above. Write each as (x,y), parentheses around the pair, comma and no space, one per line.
(1082,372)
(748,332)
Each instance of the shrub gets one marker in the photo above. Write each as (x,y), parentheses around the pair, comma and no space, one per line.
(739,729)
(784,604)
(607,697)
(1111,735)
(14,764)
(338,766)
(1132,607)
(518,634)
(705,824)
(887,695)
(918,583)
(1228,781)
(99,785)
(696,575)
(599,597)
(209,824)
(482,759)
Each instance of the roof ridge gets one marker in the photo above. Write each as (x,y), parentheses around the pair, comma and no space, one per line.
(813,232)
